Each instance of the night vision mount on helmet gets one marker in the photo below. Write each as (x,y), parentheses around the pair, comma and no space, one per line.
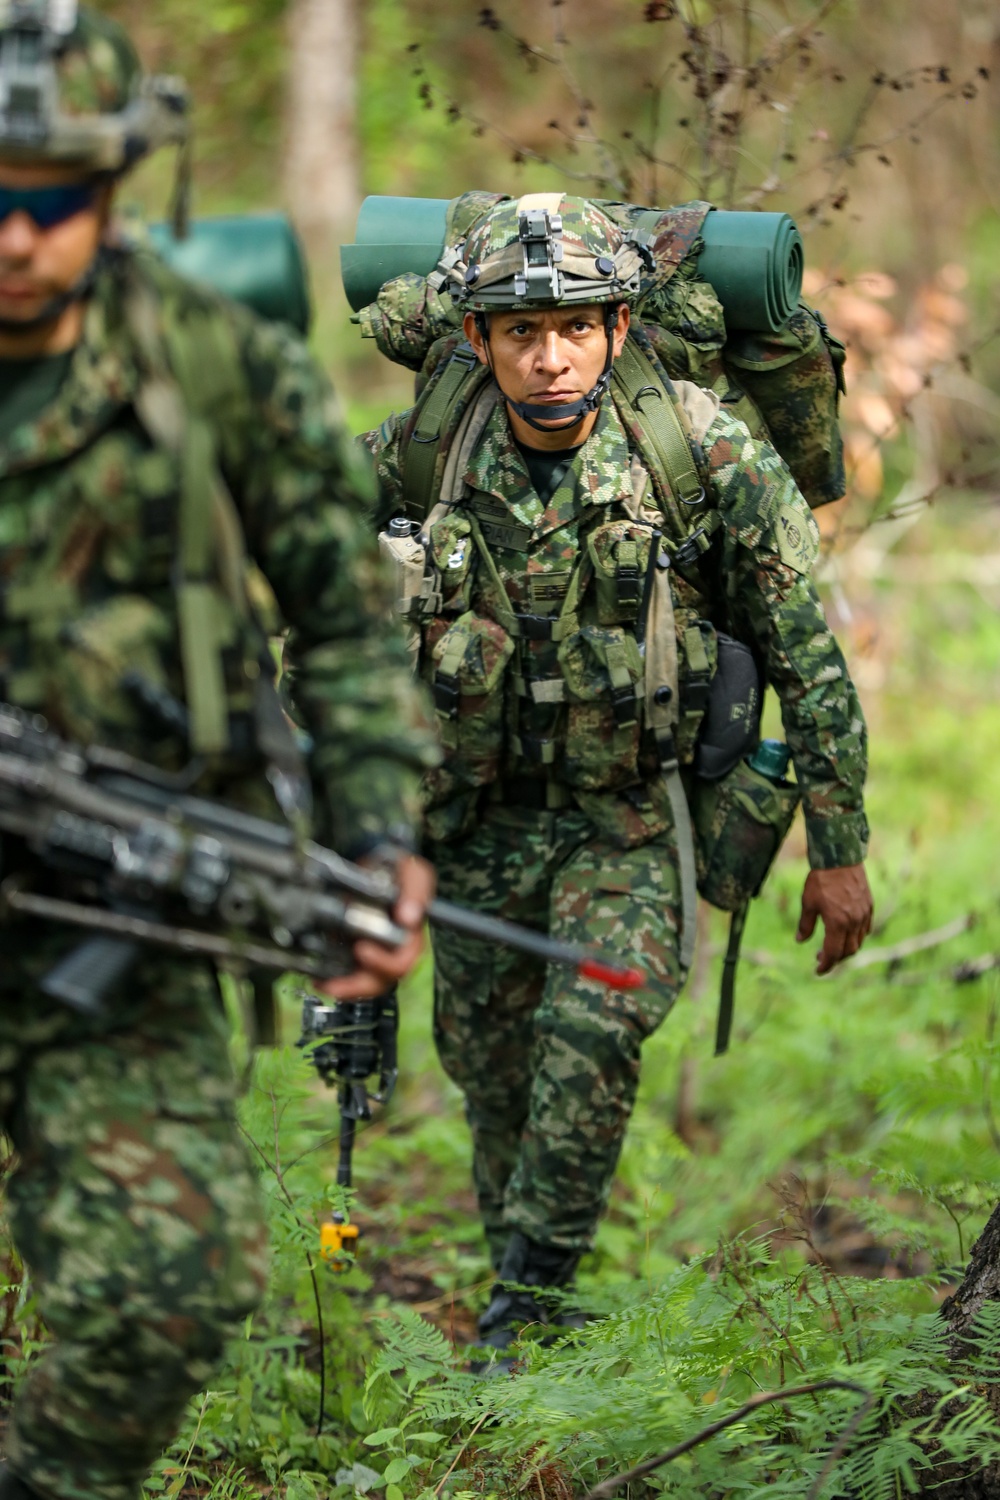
(544,250)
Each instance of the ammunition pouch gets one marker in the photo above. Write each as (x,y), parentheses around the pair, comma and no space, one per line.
(619,555)
(467,668)
(740,822)
(603,672)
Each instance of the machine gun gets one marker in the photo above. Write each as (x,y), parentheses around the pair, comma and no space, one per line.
(138,860)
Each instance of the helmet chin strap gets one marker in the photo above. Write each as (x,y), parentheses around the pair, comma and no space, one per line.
(56,306)
(539,416)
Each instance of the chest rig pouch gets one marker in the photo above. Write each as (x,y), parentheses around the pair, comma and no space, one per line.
(464,655)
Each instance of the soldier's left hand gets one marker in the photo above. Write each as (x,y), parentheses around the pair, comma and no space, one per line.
(380,968)
(842,898)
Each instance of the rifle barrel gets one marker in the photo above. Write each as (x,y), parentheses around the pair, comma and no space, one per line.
(525,940)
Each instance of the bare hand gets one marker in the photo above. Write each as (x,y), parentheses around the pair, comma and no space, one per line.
(843,899)
(380,968)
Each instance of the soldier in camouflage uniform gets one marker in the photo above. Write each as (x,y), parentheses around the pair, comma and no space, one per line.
(146,426)
(553,806)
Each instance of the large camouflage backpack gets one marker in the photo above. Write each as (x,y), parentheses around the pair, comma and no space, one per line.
(785,385)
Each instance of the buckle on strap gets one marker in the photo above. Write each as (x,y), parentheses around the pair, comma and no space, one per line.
(627,586)
(666,751)
(535,750)
(695,547)
(445,690)
(535,627)
(624,706)
(696,692)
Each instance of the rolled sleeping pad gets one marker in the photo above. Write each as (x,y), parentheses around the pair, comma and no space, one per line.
(754,261)
(393,236)
(255,259)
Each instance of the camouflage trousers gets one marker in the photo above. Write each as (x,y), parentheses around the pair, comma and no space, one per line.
(549,1062)
(135,1208)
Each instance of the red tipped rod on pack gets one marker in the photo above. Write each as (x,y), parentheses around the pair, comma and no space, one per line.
(510,935)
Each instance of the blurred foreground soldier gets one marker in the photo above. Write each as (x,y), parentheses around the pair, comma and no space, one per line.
(146,429)
(608,581)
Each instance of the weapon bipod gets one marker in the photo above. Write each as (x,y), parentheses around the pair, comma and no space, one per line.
(351,1040)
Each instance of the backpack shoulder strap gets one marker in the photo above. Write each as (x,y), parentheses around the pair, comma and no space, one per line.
(648,394)
(435,420)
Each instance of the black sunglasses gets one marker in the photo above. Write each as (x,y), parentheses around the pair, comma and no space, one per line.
(48,206)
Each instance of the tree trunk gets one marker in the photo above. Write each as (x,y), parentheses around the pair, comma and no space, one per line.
(321,169)
(981,1284)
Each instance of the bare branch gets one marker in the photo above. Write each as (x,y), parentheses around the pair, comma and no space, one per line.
(607,1487)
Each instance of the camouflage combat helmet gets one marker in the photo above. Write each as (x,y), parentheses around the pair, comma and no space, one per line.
(72,90)
(545,250)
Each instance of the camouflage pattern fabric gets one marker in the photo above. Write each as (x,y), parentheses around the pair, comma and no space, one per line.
(88,537)
(794,377)
(740,823)
(466,210)
(591,260)
(98,68)
(549,1063)
(135,1206)
(675,237)
(756,584)
(407,318)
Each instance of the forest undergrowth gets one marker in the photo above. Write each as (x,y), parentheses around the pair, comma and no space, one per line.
(791,1215)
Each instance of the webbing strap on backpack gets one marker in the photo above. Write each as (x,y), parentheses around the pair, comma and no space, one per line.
(664,447)
(437,418)
(637,381)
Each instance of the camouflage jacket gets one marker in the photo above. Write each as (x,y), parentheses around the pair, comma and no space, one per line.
(89,523)
(564,559)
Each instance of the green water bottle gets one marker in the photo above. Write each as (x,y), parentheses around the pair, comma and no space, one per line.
(770,759)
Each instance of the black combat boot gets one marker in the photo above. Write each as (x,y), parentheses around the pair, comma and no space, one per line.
(12,1488)
(527,1264)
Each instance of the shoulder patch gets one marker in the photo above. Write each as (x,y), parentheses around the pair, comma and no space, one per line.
(797,536)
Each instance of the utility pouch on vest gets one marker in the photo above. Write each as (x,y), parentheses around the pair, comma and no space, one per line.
(740,823)
(468,663)
(731,724)
(619,555)
(603,672)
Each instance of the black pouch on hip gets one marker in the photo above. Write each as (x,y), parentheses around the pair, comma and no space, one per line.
(731,726)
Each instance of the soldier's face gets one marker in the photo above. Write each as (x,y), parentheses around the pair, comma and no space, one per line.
(549,358)
(42,257)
